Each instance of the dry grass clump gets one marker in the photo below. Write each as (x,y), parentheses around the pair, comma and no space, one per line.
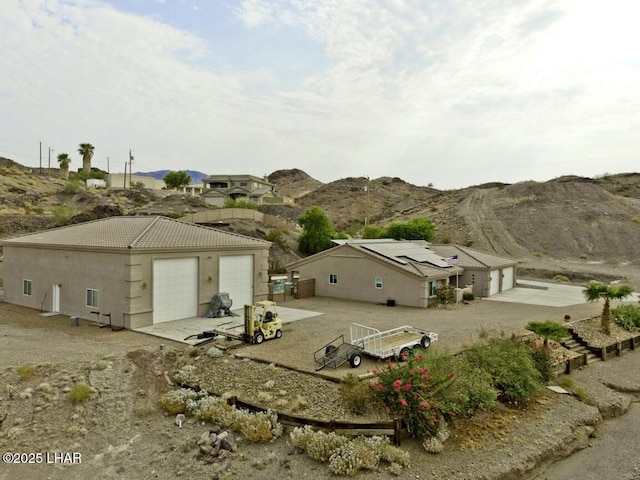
(348,457)
(80,393)
(26,371)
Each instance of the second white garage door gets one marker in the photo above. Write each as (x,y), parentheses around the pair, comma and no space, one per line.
(507,279)
(175,289)
(236,278)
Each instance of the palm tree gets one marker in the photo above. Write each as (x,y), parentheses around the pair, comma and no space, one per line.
(548,330)
(595,291)
(64,161)
(86,151)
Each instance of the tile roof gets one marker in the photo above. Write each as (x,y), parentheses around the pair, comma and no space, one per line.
(470,258)
(136,233)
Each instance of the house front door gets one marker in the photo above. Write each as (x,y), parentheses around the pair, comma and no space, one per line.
(55,299)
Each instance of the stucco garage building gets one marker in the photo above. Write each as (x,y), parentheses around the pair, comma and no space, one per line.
(407,272)
(141,270)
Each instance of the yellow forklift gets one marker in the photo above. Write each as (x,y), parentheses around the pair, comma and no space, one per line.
(261,322)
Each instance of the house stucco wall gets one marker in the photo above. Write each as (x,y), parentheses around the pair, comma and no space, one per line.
(356,280)
(124,280)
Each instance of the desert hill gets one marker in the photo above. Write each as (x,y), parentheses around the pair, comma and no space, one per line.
(569,224)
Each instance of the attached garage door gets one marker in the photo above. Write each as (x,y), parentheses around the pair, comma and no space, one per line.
(236,278)
(495,282)
(175,289)
(507,279)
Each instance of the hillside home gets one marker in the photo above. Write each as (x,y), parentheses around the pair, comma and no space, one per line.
(219,188)
(404,272)
(140,270)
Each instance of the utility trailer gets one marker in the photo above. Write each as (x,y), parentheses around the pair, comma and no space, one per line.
(337,353)
(398,342)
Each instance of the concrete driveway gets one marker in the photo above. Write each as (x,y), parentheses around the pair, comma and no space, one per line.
(541,293)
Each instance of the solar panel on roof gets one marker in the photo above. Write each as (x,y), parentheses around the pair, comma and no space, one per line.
(394,251)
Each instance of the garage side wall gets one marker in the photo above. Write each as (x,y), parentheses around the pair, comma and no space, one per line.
(72,273)
(355,276)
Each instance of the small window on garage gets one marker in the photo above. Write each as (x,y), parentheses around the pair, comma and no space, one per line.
(333,278)
(26,287)
(378,282)
(93,297)
(433,285)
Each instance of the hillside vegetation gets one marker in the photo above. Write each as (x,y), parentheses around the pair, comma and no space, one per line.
(569,224)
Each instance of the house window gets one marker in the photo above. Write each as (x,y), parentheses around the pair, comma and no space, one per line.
(92,298)
(378,282)
(243,184)
(26,287)
(333,278)
(432,288)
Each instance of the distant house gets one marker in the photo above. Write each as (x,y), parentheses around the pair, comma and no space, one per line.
(406,272)
(218,188)
(121,180)
(140,270)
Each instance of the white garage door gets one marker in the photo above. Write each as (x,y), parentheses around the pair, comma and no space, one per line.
(495,282)
(507,279)
(175,289)
(236,278)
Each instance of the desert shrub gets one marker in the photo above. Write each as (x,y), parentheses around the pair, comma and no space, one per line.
(259,427)
(548,330)
(561,278)
(276,236)
(627,316)
(240,203)
(581,394)
(175,401)
(508,361)
(348,457)
(356,394)
(63,213)
(468,296)
(541,356)
(26,371)
(566,382)
(445,294)
(471,390)
(71,187)
(409,389)
(80,393)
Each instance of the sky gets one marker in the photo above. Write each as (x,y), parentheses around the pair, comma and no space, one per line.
(448,93)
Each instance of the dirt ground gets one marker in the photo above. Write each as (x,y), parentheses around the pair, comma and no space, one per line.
(121,432)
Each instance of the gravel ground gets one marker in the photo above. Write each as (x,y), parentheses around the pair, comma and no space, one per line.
(121,432)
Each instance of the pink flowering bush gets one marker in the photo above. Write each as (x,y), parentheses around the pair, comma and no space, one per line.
(409,390)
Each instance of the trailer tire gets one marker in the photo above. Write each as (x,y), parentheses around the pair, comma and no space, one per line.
(404,353)
(330,351)
(425,341)
(278,333)
(259,338)
(355,360)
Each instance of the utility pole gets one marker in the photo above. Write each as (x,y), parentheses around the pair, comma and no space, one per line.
(108,165)
(367,187)
(50,150)
(130,162)
(40,157)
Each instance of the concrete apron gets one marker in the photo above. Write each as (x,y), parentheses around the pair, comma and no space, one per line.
(178,330)
(541,293)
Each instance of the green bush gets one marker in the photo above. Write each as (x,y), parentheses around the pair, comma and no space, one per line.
(627,316)
(63,213)
(240,203)
(541,356)
(356,394)
(409,389)
(446,294)
(26,371)
(471,390)
(71,187)
(468,296)
(276,236)
(511,366)
(80,393)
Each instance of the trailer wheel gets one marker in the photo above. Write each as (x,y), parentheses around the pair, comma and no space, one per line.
(278,333)
(425,341)
(259,338)
(404,353)
(355,360)
(330,351)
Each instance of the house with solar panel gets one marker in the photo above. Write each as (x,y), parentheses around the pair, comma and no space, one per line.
(402,272)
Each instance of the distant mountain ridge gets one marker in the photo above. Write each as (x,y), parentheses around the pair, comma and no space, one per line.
(196,177)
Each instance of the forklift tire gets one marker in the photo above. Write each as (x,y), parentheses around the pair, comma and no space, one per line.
(259,338)
(278,333)
(355,360)
(425,341)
